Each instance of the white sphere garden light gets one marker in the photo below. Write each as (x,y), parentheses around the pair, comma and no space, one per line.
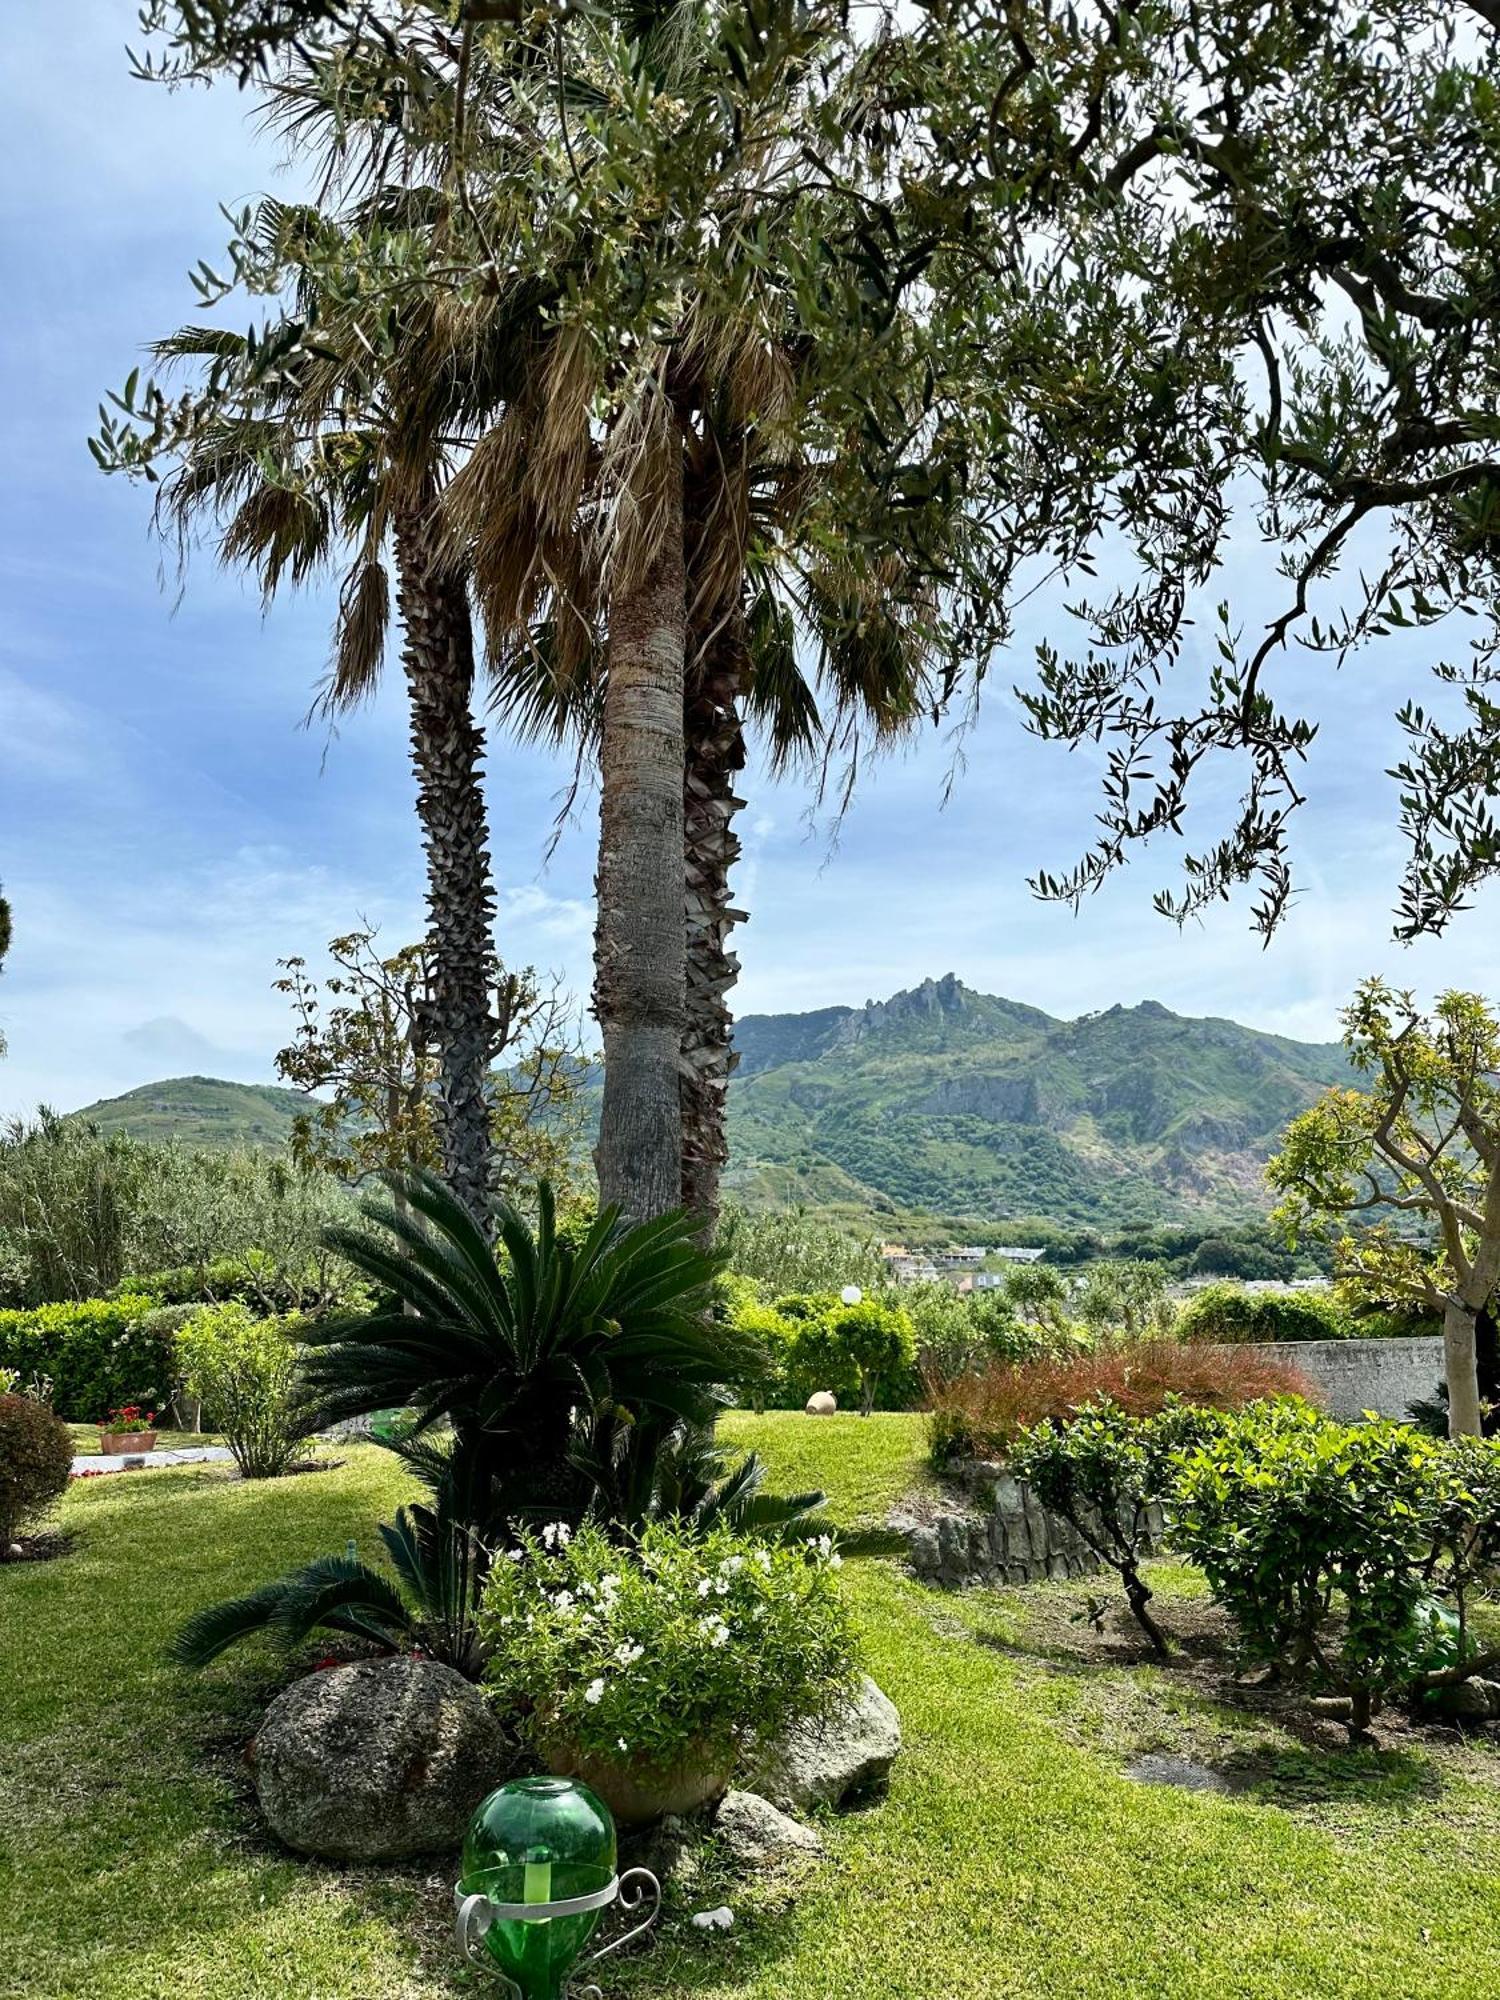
(851,1295)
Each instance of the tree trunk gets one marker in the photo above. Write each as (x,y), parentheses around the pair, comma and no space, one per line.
(447,752)
(639,954)
(1460,1364)
(714,754)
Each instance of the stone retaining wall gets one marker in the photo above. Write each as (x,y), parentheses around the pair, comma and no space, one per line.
(1359,1375)
(1008,1537)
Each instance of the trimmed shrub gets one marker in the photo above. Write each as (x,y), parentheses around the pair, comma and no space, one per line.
(876,1344)
(97,1354)
(246,1374)
(1102,1470)
(1228,1313)
(36,1457)
(1290,1516)
(754,1320)
(982,1415)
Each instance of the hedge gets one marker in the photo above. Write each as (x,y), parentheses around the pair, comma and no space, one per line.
(98,1354)
(1227,1313)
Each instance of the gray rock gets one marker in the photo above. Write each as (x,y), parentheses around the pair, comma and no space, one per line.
(669,1849)
(1473,1700)
(756,1835)
(923,1546)
(378,1760)
(822,1403)
(823,1762)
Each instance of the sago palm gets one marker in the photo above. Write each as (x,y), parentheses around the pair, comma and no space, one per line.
(513,1354)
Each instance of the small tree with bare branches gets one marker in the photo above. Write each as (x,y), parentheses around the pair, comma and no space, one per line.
(363,1036)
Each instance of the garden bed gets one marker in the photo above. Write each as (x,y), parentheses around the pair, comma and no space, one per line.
(1014,1854)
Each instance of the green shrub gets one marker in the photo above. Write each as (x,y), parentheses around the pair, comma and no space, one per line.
(36,1457)
(876,1343)
(681,1645)
(1228,1313)
(1291,1517)
(246,1374)
(753,1320)
(1102,1469)
(957,1332)
(97,1354)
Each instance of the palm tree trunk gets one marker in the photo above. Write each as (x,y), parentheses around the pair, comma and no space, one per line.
(638,949)
(714,754)
(447,752)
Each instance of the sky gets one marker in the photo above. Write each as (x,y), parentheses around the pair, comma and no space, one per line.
(170,827)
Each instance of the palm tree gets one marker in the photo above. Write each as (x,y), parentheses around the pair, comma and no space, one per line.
(627,510)
(337,454)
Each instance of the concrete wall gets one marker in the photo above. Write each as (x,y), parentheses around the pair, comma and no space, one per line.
(1359,1375)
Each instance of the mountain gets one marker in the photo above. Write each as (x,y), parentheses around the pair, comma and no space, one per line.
(201,1111)
(964,1105)
(946,1101)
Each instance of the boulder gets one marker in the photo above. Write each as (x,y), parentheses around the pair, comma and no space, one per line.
(825,1761)
(756,1835)
(378,1760)
(822,1403)
(1473,1700)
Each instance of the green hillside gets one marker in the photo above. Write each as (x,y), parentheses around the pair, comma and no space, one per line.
(201,1111)
(944,1102)
(959,1104)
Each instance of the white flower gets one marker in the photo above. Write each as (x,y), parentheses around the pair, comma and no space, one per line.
(835,1561)
(621,1744)
(593,1694)
(516,1555)
(556,1535)
(626,1654)
(564,1600)
(714,1630)
(763,1560)
(731,1565)
(705,1587)
(825,1546)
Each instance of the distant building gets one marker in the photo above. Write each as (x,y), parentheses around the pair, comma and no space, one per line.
(1012,1254)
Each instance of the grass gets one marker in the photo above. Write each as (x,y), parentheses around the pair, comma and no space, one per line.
(1013,1856)
(86,1440)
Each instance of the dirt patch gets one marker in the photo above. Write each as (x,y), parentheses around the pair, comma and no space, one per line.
(46,1547)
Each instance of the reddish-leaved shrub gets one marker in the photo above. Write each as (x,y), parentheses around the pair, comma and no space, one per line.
(981,1414)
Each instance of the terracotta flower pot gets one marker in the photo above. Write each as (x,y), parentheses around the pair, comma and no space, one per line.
(126,1444)
(637,1791)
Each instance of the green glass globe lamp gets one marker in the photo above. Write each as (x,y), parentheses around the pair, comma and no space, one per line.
(538,1874)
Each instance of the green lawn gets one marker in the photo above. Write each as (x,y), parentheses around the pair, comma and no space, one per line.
(1013,1855)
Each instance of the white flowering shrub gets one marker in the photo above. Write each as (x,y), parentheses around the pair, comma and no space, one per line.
(672,1647)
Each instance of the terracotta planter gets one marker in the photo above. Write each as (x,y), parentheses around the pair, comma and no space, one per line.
(637,1792)
(126,1444)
